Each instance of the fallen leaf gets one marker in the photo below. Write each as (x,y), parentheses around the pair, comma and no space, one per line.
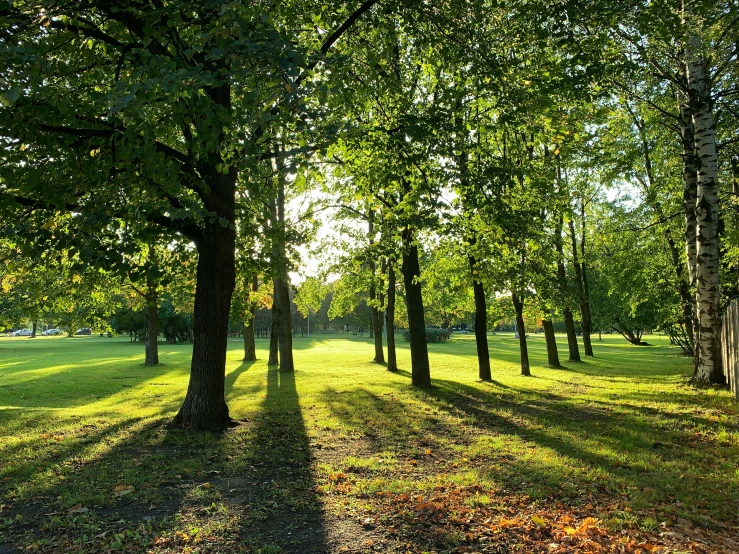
(123,490)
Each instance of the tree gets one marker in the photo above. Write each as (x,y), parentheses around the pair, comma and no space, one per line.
(170,93)
(310,296)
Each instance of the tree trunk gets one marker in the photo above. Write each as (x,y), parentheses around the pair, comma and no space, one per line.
(285,327)
(377,323)
(205,407)
(33,329)
(376,313)
(392,361)
(282,281)
(690,184)
(690,199)
(572,346)
(481,324)
(708,353)
(552,353)
(579,284)
(152,328)
(521,325)
(250,347)
(420,371)
(584,304)
(574,349)
(274,332)
(587,325)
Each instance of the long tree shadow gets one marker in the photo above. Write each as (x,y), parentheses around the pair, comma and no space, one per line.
(277,487)
(631,453)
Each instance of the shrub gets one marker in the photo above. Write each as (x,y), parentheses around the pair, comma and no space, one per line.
(432,335)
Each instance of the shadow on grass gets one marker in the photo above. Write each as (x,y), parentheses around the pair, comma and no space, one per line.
(254,482)
(576,446)
(281,506)
(549,446)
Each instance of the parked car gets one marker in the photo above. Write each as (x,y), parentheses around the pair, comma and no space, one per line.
(22,333)
(51,332)
(84,331)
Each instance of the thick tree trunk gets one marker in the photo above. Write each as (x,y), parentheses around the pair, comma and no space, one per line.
(574,349)
(282,281)
(708,353)
(481,324)
(205,407)
(690,198)
(250,347)
(392,361)
(377,323)
(420,371)
(521,326)
(572,346)
(284,330)
(152,328)
(274,333)
(552,353)
(690,184)
(33,329)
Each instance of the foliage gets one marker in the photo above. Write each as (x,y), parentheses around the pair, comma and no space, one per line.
(433,335)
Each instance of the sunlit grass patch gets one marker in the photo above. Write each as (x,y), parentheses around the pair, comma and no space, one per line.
(621,438)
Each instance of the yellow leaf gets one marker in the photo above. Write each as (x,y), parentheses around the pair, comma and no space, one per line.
(507,522)
(570,530)
(94,152)
(539,520)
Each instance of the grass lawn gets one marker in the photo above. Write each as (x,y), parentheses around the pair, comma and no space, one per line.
(618,454)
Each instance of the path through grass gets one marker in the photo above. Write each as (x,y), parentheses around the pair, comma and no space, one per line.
(616,453)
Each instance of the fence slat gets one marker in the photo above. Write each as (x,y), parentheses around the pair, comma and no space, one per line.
(730,346)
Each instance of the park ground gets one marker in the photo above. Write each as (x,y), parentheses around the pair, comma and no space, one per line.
(618,454)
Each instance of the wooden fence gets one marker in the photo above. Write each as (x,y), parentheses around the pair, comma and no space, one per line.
(730,346)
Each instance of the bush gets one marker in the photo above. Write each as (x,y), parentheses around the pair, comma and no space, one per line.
(432,335)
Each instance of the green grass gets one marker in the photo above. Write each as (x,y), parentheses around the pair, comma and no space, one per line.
(86,460)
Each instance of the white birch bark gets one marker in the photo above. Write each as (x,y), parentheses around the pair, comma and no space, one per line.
(707,294)
(690,182)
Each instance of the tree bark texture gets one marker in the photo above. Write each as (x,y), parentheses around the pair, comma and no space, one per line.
(420,370)
(33,329)
(152,328)
(282,281)
(690,183)
(521,326)
(205,407)
(392,360)
(552,353)
(708,352)
(285,328)
(481,324)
